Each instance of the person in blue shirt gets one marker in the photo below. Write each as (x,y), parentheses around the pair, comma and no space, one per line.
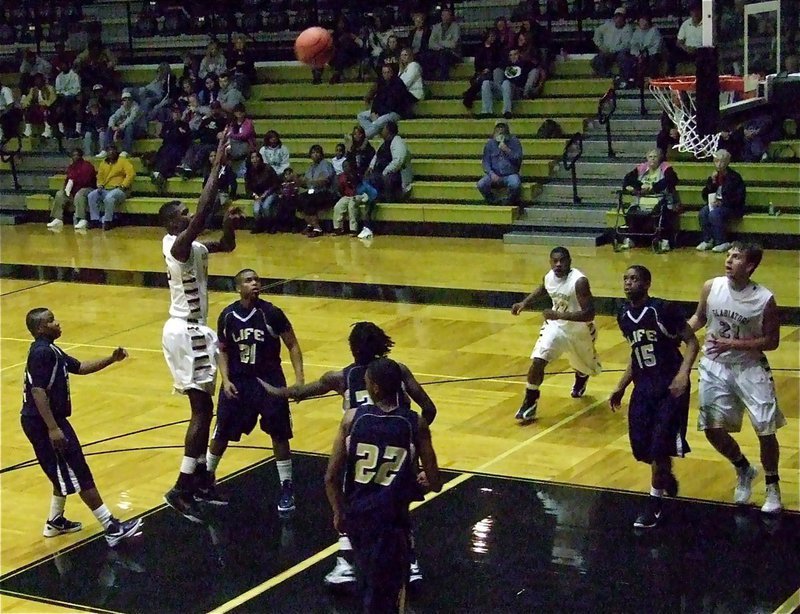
(46,408)
(502,159)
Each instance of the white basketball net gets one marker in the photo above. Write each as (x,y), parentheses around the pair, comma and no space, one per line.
(681,108)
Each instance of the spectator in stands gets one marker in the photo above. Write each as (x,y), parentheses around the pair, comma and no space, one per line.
(360,152)
(10,114)
(390,55)
(187,88)
(126,124)
(444,44)
(68,100)
(37,105)
(375,37)
(652,177)
(349,200)
(338,159)
(213,61)
(176,137)
(211,129)
(509,86)
(411,75)
(348,49)
(536,73)
(160,93)
(32,64)
(80,180)
(194,113)
(96,64)
(115,176)
(210,91)
(95,126)
(263,185)
(63,56)
(690,38)
(505,37)
(242,134)
(274,152)
(241,67)
(419,35)
(502,160)
(319,181)
(390,103)
(668,137)
(724,195)
(229,97)
(288,200)
(612,39)
(226,189)
(488,59)
(540,39)
(644,58)
(749,141)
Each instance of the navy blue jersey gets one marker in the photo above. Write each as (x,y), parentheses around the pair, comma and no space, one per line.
(48,367)
(355,388)
(380,481)
(653,331)
(251,338)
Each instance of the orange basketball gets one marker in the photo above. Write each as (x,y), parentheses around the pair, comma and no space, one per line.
(314,47)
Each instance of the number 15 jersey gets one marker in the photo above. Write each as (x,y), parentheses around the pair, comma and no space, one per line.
(250,338)
(653,330)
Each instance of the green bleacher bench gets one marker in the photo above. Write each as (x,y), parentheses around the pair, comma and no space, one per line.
(751,172)
(752,223)
(388,212)
(758,197)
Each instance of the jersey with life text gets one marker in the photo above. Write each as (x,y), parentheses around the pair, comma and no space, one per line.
(48,367)
(380,481)
(654,333)
(251,338)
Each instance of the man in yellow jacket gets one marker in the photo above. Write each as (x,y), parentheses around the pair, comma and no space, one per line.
(115,176)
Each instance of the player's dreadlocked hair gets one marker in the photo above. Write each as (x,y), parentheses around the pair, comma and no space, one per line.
(368,342)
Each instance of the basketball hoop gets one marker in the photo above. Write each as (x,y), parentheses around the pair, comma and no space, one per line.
(676,95)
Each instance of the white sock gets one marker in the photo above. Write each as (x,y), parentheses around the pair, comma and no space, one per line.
(78,126)
(201,460)
(284,470)
(532,386)
(103,515)
(57,503)
(188,465)
(212,461)
(344,543)
(657,492)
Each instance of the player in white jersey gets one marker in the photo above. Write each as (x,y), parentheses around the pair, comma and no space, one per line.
(190,346)
(568,329)
(741,320)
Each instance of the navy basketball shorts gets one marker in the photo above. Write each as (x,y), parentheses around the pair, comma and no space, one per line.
(657,423)
(237,417)
(382,555)
(67,470)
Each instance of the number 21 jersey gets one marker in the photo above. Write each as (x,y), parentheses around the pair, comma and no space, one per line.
(250,338)
(653,330)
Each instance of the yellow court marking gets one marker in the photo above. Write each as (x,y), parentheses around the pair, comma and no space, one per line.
(792,604)
(66,604)
(333,548)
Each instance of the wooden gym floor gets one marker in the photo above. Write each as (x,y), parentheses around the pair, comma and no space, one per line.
(445,303)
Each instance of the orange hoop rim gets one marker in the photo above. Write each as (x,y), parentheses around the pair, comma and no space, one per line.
(687,83)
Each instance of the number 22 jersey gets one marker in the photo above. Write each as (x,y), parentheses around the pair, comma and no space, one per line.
(653,331)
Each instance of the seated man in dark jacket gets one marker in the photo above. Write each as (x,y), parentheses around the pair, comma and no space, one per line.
(508,86)
(176,136)
(654,184)
(390,103)
(724,195)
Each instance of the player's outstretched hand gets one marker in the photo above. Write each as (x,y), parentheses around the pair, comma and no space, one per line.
(422,480)
(230,390)
(679,384)
(517,309)
(615,400)
(119,354)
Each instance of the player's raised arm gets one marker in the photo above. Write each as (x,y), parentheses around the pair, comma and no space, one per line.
(181,248)
(583,293)
(700,317)
(527,302)
(418,394)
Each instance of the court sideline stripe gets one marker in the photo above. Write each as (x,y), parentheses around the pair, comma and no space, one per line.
(10,292)
(792,604)
(333,548)
(65,604)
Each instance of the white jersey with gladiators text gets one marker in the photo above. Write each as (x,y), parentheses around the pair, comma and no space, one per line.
(735,314)
(562,292)
(188,282)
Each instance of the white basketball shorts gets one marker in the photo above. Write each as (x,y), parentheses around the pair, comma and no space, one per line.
(191,354)
(728,390)
(577,342)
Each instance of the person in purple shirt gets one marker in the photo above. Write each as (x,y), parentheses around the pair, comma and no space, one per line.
(502,158)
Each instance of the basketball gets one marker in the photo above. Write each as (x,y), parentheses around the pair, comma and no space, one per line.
(314,47)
